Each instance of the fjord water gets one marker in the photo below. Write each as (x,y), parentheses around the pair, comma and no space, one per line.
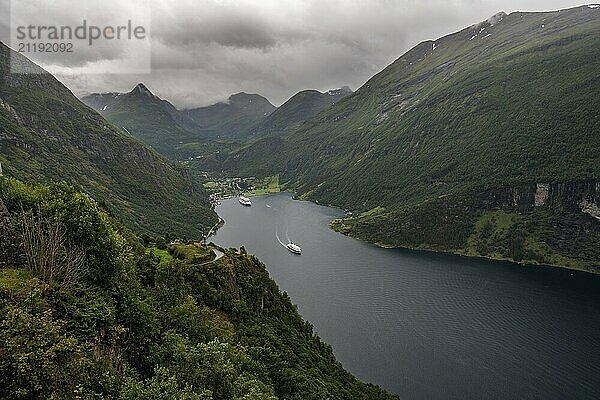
(426,325)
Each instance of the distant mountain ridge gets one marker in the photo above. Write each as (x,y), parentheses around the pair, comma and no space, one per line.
(47,134)
(424,150)
(231,119)
(173,132)
(297,109)
(147,117)
(180,134)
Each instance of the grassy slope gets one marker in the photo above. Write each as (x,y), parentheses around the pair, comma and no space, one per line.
(514,107)
(265,186)
(47,134)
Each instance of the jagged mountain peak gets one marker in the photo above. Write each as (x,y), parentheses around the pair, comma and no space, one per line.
(154,121)
(242,95)
(140,88)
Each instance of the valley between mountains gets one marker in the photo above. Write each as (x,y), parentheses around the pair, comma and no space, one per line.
(107,289)
(484,142)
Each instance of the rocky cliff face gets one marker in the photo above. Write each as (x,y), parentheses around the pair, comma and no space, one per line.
(550,223)
(10,110)
(583,196)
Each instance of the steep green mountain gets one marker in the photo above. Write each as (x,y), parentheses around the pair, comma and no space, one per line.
(47,134)
(208,155)
(154,121)
(182,134)
(103,314)
(232,119)
(297,109)
(483,142)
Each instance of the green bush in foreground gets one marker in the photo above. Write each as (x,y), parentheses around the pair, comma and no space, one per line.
(139,323)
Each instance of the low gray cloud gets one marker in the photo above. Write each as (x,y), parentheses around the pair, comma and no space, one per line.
(202,51)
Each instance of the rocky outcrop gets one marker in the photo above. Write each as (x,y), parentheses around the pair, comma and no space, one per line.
(590,208)
(580,196)
(541,194)
(10,110)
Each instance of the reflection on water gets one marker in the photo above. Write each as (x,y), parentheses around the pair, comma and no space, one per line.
(425,325)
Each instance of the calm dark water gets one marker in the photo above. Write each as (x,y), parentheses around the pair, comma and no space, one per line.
(423,325)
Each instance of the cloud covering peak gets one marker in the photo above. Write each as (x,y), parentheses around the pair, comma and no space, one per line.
(202,51)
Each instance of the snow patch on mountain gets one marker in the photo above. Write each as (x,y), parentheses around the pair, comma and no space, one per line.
(496,18)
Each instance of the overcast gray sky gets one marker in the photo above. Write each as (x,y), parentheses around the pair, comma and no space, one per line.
(204,50)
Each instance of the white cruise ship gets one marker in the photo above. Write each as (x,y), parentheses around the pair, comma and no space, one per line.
(294,248)
(245,201)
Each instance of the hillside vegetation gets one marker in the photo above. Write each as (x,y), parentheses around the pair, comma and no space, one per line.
(89,310)
(47,134)
(299,108)
(201,135)
(511,101)
(148,118)
(181,134)
(231,119)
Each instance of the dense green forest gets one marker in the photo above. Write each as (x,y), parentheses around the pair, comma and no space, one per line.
(88,309)
(492,225)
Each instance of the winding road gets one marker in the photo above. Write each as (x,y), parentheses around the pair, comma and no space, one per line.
(218,255)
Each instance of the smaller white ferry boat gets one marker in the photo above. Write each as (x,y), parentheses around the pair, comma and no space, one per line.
(294,248)
(245,201)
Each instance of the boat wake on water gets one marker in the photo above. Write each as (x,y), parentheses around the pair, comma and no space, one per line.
(279,240)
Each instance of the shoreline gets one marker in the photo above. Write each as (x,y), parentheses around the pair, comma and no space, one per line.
(593,271)
(213,230)
(461,254)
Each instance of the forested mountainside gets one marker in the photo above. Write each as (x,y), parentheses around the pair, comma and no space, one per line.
(47,134)
(90,310)
(508,103)
(154,121)
(232,119)
(175,133)
(206,132)
(298,109)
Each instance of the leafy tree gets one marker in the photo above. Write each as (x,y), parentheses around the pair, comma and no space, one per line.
(141,324)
